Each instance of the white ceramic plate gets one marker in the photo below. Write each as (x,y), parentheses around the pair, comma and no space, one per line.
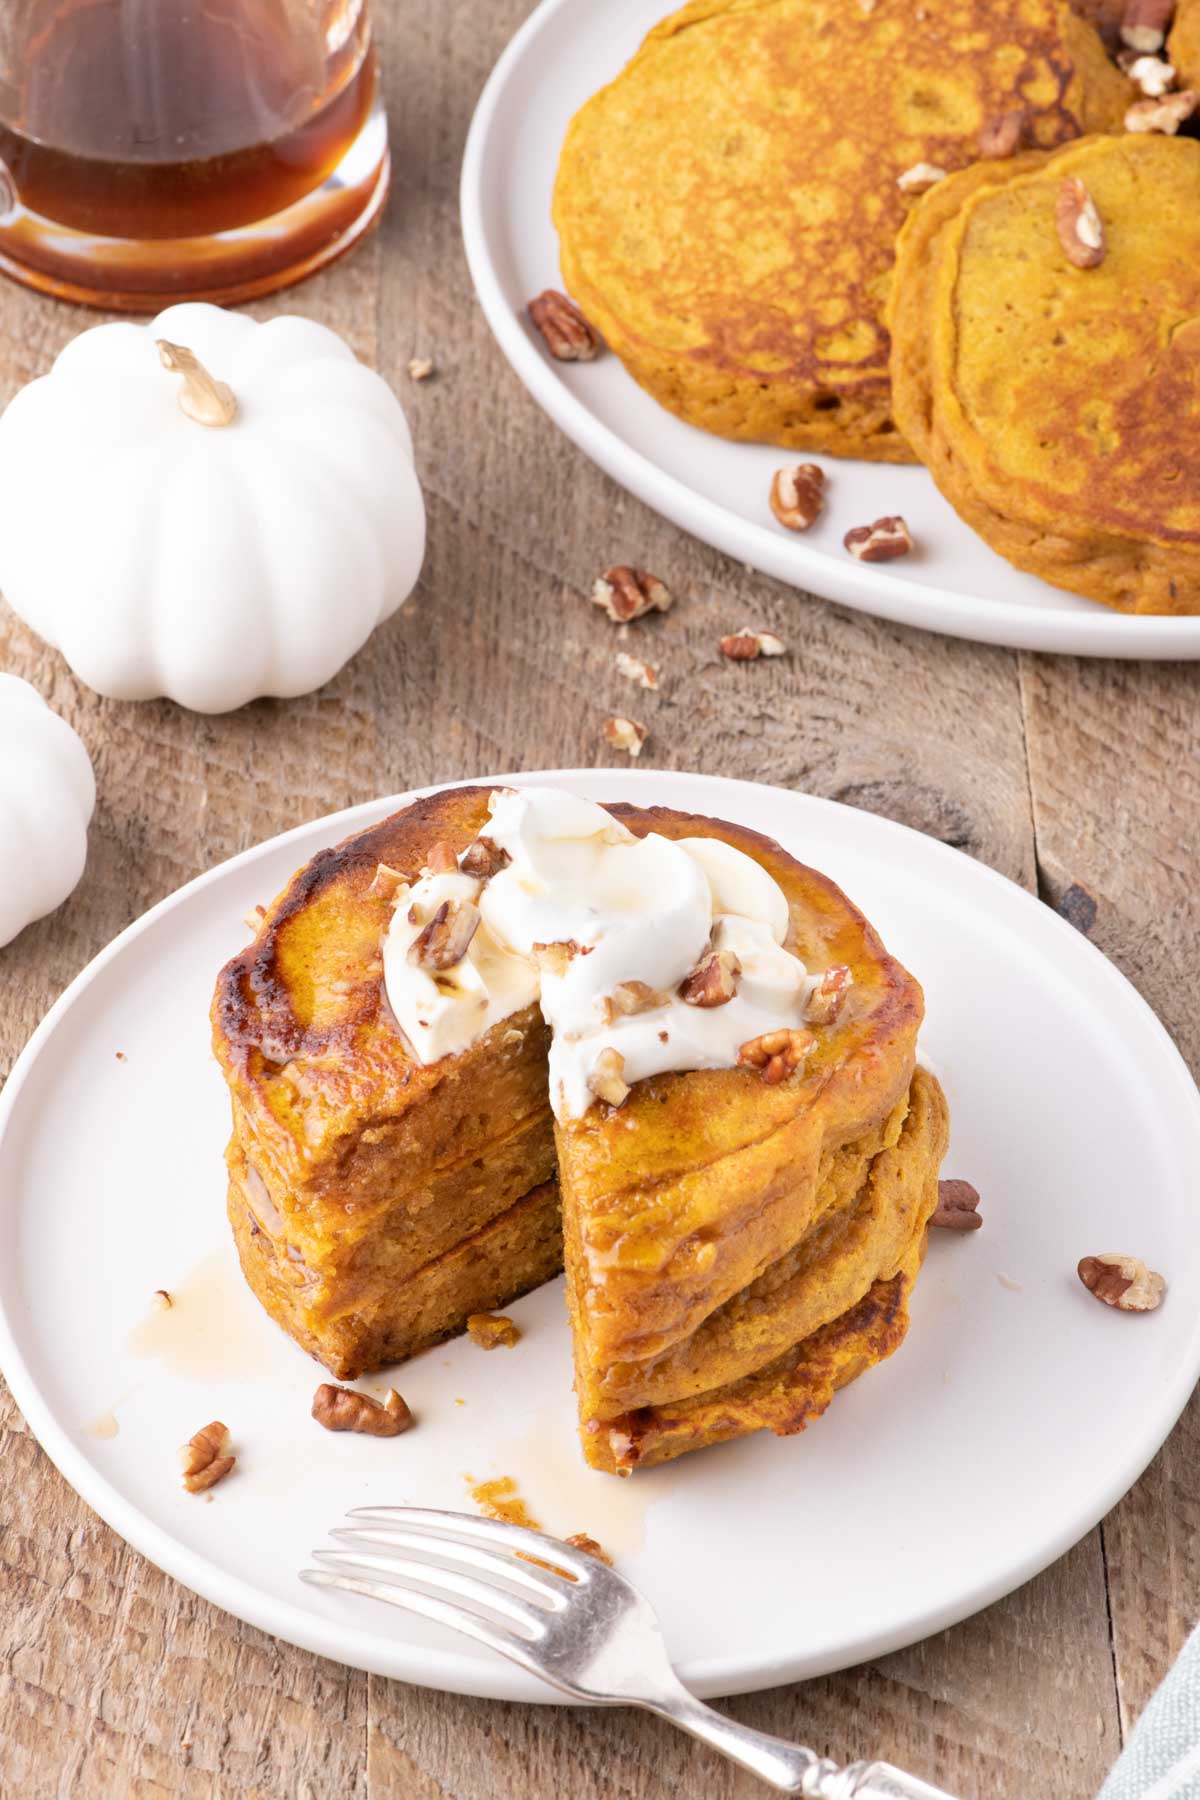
(933,1485)
(717,490)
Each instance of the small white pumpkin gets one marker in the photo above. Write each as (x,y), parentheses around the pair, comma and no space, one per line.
(206,507)
(47,792)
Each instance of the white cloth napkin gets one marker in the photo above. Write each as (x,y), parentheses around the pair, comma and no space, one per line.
(1161,1761)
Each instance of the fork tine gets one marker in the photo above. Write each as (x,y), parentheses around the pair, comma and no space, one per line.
(511,1538)
(449,1581)
(441,1612)
(503,1568)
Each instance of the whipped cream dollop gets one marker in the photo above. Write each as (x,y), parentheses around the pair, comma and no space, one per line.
(603,929)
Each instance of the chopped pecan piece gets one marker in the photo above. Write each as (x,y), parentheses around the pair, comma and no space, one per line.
(957,1208)
(205,1459)
(254,918)
(631,997)
(627,593)
(713,981)
(825,1002)
(1165,115)
(887,538)
(161,1300)
(580,1540)
(1122,1281)
(1080,229)
(483,859)
(345,1409)
(420,368)
(747,645)
(1145,24)
(777,1053)
(634,669)
(606,1079)
(1004,133)
(441,860)
(625,734)
(797,495)
(493,1331)
(387,882)
(446,939)
(920,178)
(567,334)
(554,959)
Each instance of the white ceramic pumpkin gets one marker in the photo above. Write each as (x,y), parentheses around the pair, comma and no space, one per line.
(207,507)
(47,792)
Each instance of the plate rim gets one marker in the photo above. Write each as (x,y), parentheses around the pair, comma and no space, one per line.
(449,1670)
(892,595)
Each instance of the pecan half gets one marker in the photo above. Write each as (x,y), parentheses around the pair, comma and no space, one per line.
(629,997)
(713,981)
(1080,230)
(345,1409)
(1165,115)
(886,539)
(957,1208)
(1004,133)
(606,1079)
(797,495)
(567,334)
(747,645)
(776,1053)
(205,1459)
(920,178)
(493,1331)
(447,937)
(625,734)
(1145,23)
(483,859)
(626,593)
(580,1540)
(1153,76)
(1122,1281)
(387,882)
(634,669)
(827,998)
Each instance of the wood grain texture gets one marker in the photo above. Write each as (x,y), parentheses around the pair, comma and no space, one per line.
(1078,779)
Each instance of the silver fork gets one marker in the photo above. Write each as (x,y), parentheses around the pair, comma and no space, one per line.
(575,1622)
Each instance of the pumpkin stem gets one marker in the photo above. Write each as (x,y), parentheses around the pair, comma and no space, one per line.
(202,396)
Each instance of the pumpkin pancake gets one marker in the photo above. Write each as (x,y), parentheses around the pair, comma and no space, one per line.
(1183,45)
(1055,405)
(727,207)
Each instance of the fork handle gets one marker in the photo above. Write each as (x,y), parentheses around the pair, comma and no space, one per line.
(790,1767)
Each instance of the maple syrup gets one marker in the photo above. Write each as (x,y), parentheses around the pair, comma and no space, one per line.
(172,148)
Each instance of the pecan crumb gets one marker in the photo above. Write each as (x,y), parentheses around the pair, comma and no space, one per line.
(1165,115)
(713,982)
(1003,134)
(345,1409)
(493,1331)
(625,734)
(1080,229)
(826,999)
(776,1053)
(634,669)
(554,959)
(446,939)
(920,178)
(580,1540)
(957,1207)
(1122,1281)
(420,368)
(747,646)
(606,1079)
(886,539)
(626,593)
(254,918)
(797,495)
(484,858)
(1144,23)
(162,1301)
(387,882)
(567,334)
(205,1459)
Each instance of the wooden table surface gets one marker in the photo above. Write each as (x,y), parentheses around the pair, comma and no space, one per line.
(1078,779)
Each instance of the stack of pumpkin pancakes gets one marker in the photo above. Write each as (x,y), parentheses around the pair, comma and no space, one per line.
(736,1247)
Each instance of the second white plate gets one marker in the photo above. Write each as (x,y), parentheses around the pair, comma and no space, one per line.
(933,1485)
(714,489)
